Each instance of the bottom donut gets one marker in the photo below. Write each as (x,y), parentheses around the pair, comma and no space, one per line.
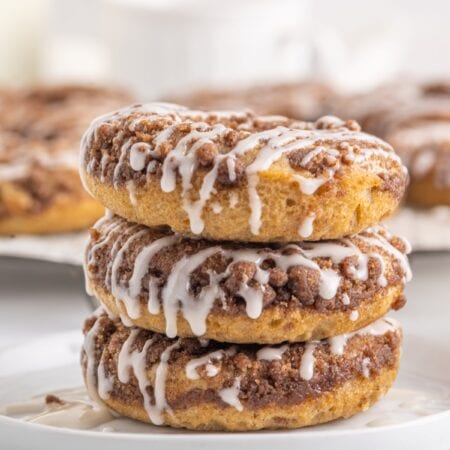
(207,385)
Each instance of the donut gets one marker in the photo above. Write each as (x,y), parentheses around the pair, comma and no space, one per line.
(376,110)
(239,176)
(306,100)
(395,105)
(415,119)
(251,293)
(40,130)
(205,385)
(425,149)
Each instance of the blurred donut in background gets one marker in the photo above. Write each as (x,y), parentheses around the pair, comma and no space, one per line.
(40,132)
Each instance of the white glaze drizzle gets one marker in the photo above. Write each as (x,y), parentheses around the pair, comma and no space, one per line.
(234,199)
(74,409)
(337,345)
(136,361)
(104,382)
(377,328)
(217,208)
(131,188)
(354,315)
(383,243)
(231,395)
(133,309)
(271,353)
(140,268)
(308,361)
(309,186)
(272,144)
(89,349)
(138,155)
(209,362)
(307,227)
(175,297)
(365,367)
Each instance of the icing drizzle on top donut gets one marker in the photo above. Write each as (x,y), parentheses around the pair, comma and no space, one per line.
(118,256)
(253,144)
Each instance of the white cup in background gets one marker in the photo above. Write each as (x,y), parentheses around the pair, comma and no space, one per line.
(21,30)
(157,47)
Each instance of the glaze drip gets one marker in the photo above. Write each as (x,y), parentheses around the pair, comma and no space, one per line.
(134,361)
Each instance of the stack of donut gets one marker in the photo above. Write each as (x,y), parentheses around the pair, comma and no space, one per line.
(241,270)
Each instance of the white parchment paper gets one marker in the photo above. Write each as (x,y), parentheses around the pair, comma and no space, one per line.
(65,248)
(425,229)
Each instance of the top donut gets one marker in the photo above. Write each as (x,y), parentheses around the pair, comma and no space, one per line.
(234,175)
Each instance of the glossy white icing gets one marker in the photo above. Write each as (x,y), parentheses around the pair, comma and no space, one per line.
(337,345)
(73,409)
(89,349)
(271,353)
(307,227)
(377,328)
(231,395)
(135,361)
(308,361)
(209,362)
(366,367)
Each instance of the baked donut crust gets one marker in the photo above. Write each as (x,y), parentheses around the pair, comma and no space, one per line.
(238,176)
(40,130)
(210,386)
(275,324)
(239,293)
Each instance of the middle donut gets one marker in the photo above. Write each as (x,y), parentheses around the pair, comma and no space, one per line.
(244,293)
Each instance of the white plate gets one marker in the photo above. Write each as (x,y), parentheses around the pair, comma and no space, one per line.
(416,413)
